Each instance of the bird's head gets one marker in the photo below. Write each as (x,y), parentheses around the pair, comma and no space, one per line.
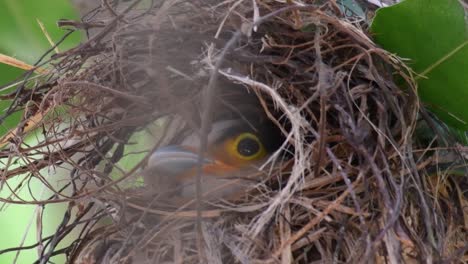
(235,149)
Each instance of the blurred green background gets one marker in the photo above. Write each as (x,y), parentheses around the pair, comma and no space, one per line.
(22,38)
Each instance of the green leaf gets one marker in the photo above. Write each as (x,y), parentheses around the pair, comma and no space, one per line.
(20,32)
(433,35)
(6,74)
(22,38)
(351,8)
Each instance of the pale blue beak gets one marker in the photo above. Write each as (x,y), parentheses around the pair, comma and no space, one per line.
(174,160)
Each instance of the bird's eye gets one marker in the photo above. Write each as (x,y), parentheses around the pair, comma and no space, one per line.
(248,146)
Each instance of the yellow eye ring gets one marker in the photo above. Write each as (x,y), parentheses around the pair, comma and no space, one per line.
(247,147)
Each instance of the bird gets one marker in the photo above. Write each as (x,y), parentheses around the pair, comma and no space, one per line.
(237,145)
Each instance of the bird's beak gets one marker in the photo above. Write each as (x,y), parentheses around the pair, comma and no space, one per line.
(174,168)
(180,161)
(175,160)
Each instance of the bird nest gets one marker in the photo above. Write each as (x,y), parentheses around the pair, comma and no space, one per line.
(350,183)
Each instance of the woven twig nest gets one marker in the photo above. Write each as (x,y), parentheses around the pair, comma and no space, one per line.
(349,184)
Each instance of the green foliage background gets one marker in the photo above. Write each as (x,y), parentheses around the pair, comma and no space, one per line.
(22,38)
